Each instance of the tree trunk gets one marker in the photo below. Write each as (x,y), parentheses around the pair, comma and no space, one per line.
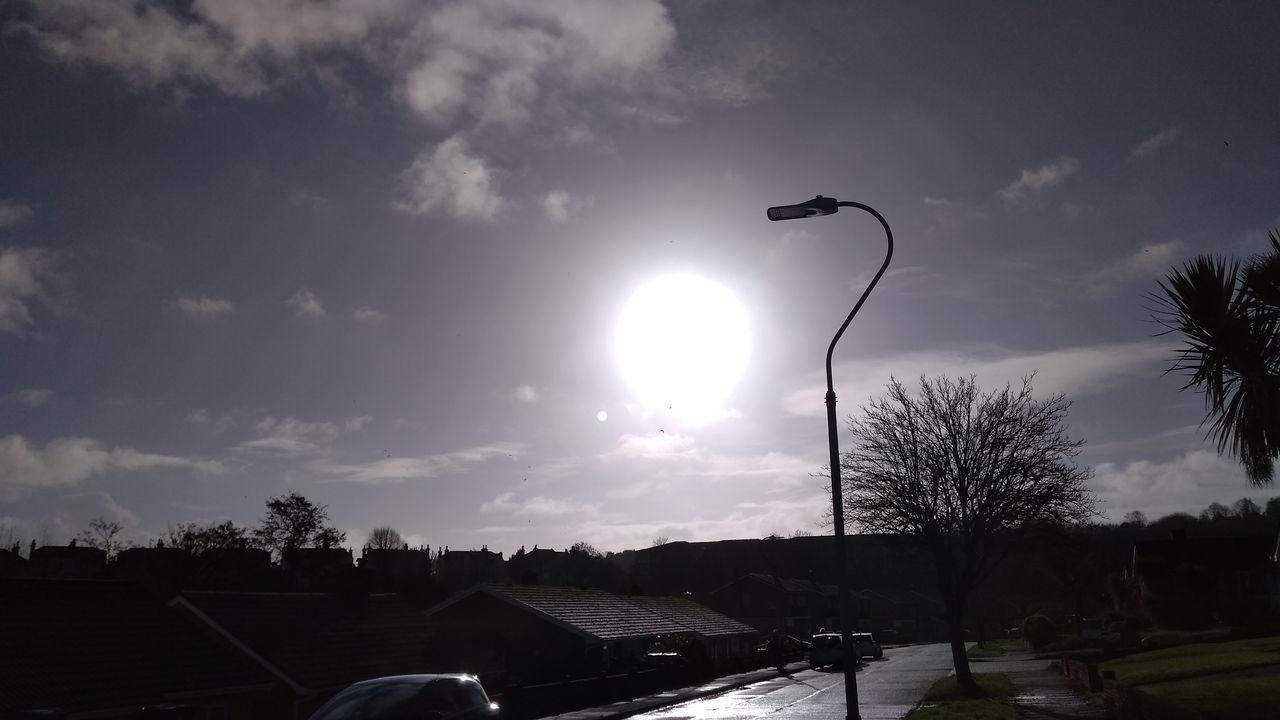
(955,631)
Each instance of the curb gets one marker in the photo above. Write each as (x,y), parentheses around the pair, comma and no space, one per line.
(680,700)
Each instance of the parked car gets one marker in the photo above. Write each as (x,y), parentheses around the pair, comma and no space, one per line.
(867,646)
(793,648)
(411,697)
(825,650)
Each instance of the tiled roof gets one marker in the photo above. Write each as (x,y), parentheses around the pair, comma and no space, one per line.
(612,617)
(595,612)
(701,619)
(94,644)
(321,641)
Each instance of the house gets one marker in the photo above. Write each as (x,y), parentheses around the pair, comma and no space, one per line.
(12,564)
(1192,582)
(794,606)
(313,644)
(67,561)
(514,634)
(457,569)
(106,648)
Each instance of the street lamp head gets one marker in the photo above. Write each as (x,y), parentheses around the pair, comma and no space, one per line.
(812,208)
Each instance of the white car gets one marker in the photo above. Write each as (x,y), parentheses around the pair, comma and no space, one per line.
(826,650)
(436,697)
(867,646)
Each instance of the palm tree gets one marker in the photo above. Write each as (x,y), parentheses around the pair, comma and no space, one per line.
(1228,315)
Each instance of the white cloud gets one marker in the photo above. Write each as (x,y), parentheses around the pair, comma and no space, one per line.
(525,394)
(25,275)
(368,315)
(561,205)
(199,416)
(289,436)
(1185,483)
(1045,176)
(307,305)
(1075,371)
(31,397)
(537,506)
(299,197)
(205,308)
(1150,261)
(68,460)
(14,213)
(659,446)
(449,178)
(1155,143)
(399,469)
(358,423)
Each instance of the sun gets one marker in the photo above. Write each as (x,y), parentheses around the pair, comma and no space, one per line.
(683,342)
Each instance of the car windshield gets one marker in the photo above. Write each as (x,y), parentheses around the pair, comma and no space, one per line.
(373,701)
(826,641)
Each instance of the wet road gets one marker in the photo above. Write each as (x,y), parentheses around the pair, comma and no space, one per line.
(887,690)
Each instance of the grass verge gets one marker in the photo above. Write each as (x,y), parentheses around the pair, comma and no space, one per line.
(945,700)
(993,648)
(1246,698)
(1187,661)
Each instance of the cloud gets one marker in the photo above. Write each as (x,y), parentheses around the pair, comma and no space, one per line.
(1185,483)
(14,213)
(68,460)
(30,397)
(240,47)
(537,506)
(369,316)
(525,394)
(399,469)
(659,446)
(1043,177)
(1155,143)
(493,60)
(560,205)
(25,276)
(1079,370)
(288,436)
(356,424)
(299,197)
(205,308)
(449,178)
(306,305)
(1150,261)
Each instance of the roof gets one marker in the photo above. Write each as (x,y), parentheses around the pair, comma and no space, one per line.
(99,644)
(701,619)
(315,640)
(600,615)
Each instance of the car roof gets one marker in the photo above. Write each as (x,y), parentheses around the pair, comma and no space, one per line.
(420,679)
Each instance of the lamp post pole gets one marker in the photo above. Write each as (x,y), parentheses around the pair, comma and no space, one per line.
(816,207)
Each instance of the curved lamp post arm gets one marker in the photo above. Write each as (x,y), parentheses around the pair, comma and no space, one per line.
(883,266)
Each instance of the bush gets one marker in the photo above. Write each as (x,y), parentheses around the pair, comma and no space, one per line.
(1039,631)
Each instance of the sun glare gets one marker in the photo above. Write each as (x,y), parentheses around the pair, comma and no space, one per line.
(683,342)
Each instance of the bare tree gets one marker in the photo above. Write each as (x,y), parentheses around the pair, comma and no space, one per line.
(964,472)
(586,548)
(385,538)
(1135,517)
(659,541)
(292,521)
(197,538)
(1246,508)
(105,535)
(801,533)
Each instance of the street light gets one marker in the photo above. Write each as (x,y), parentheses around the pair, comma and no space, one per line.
(815,208)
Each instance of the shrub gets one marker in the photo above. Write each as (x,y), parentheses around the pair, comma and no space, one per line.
(1039,631)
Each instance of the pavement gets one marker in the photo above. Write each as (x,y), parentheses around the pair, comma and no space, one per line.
(1042,694)
(887,690)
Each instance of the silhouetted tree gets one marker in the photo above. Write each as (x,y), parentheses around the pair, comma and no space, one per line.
(1273,510)
(1229,317)
(964,472)
(385,538)
(586,548)
(1216,512)
(1135,517)
(199,537)
(1246,508)
(103,534)
(659,541)
(292,521)
(801,533)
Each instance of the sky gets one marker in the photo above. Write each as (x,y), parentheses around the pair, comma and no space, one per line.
(407,257)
